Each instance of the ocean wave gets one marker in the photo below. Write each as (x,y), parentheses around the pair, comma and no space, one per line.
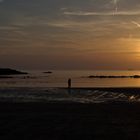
(81,95)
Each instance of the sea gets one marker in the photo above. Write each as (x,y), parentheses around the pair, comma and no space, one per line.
(39,86)
(79,78)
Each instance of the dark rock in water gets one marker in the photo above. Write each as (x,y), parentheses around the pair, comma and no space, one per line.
(7,71)
(5,77)
(49,72)
(28,77)
(114,76)
(136,76)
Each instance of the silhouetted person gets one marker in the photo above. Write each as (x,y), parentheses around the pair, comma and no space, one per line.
(69,83)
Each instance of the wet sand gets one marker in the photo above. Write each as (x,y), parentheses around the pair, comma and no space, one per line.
(68,121)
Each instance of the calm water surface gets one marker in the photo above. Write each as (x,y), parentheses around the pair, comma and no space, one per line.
(79,79)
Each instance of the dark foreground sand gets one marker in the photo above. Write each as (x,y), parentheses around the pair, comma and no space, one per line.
(68,121)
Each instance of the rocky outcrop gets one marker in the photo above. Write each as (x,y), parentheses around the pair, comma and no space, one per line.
(115,76)
(48,72)
(8,71)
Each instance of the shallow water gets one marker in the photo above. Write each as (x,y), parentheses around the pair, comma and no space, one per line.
(79,95)
(79,79)
(38,86)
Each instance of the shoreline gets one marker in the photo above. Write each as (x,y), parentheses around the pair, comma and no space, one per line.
(70,95)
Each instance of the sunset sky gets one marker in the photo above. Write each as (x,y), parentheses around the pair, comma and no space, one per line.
(70,34)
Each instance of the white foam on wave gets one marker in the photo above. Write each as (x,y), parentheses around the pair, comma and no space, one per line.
(65,95)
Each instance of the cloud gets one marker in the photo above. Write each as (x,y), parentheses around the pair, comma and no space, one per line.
(136,23)
(80,27)
(119,13)
(1,1)
(8,28)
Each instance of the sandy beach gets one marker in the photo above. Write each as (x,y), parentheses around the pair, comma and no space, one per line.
(55,121)
(70,120)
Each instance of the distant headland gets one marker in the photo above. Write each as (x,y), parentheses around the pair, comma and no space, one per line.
(8,71)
